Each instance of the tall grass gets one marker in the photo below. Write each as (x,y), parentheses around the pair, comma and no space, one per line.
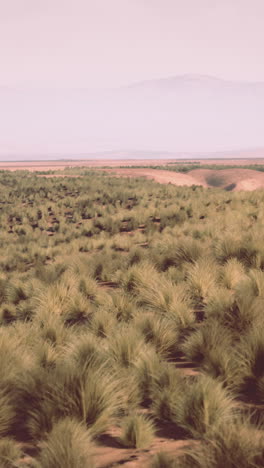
(68,445)
(111,291)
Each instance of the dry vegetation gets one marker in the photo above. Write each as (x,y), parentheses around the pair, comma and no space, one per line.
(131,324)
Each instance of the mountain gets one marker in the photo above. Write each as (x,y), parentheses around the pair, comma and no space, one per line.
(189,113)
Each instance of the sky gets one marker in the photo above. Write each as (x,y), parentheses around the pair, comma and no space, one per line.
(60,58)
(110,43)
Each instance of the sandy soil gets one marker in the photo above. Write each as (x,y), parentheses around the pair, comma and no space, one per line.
(231,179)
(163,177)
(109,453)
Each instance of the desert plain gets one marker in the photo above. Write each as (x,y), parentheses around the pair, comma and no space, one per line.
(130,324)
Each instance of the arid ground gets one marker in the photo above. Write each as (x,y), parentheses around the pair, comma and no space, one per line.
(62,164)
(229,179)
(131,316)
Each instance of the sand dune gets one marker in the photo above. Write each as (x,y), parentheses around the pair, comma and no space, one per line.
(161,176)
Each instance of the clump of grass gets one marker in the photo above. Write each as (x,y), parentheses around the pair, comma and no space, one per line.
(122,307)
(167,387)
(88,287)
(46,355)
(184,251)
(211,346)
(163,460)
(197,408)
(243,249)
(15,292)
(11,454)
(103,323)
(219,305)
(232,273)
(68,445)
(202,281)
(203,407)
(248,370)
(3,284)
(137,431)
(86,351)
(147,371)
(126,346)
(8,314)
(137,275)
(165,298)
(34,412)
(236,444)
(77,310)
(160,332)
(7,411)
(94,395)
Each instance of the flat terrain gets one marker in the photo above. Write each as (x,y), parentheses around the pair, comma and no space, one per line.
(61,164)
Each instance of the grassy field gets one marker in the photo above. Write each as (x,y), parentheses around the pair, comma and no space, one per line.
(131,312)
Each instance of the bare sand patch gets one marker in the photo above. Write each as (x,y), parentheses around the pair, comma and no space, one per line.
(110,453)
(161,176)
(229,179)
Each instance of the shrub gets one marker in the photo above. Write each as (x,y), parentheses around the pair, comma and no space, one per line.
(203,407)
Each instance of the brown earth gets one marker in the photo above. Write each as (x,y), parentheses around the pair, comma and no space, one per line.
(229,179)
(163,177)
(109,453)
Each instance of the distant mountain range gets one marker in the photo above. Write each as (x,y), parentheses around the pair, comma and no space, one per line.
(189,114)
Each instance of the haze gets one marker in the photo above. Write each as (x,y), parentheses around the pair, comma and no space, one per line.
(55,53)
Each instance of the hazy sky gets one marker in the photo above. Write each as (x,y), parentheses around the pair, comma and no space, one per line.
(105,43)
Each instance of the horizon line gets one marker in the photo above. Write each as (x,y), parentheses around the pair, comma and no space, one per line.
(192,76)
